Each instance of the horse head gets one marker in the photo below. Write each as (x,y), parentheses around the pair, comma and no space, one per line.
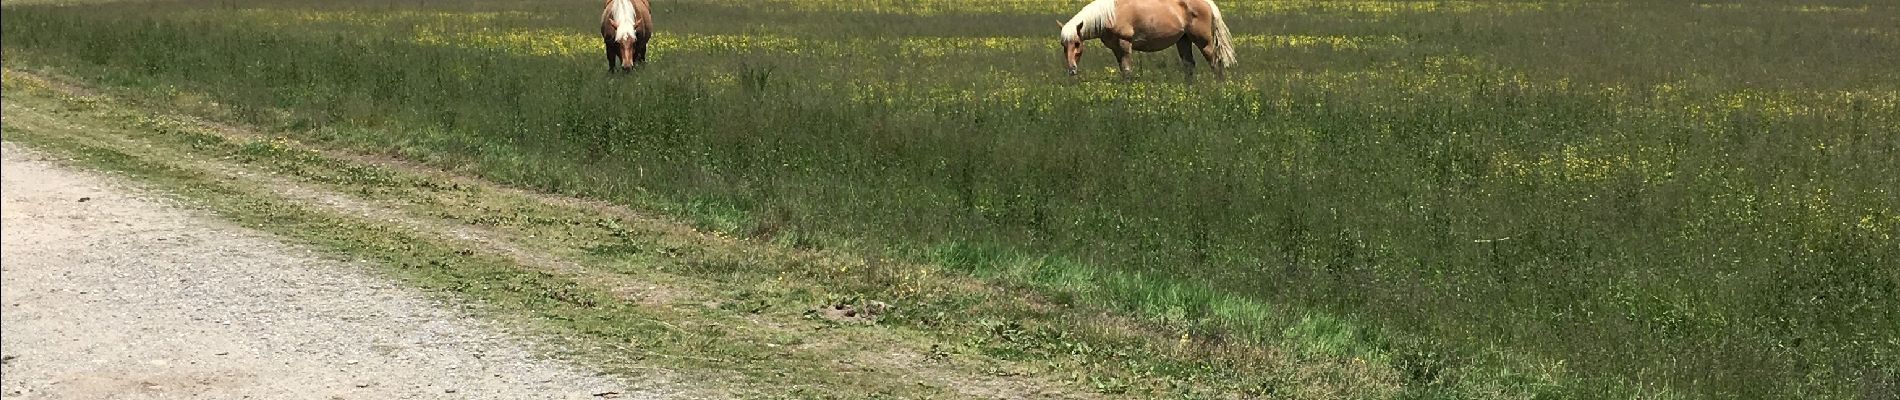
(1071,46)
(625,48)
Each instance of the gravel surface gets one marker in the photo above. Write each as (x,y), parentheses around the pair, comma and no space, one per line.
(110,294)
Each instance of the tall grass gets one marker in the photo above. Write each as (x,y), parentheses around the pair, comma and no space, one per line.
(1699,198)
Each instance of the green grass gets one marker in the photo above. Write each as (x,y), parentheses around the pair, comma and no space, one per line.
(1686,199)
(746,309)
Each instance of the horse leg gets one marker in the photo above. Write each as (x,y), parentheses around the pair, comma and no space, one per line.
(1186,48)
(640,49)
(613,56)
(1123,51)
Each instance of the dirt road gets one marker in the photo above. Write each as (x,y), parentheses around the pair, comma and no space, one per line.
(111,294)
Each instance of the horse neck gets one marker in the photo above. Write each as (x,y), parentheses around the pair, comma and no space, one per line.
(1095,19)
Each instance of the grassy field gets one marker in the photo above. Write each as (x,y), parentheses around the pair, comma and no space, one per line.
(1509,199)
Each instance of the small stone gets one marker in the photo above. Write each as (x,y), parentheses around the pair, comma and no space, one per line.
(877,308)
(448,390)
(85,199)
(362,385)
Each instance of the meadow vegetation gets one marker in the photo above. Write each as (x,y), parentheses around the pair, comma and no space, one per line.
(1564,199)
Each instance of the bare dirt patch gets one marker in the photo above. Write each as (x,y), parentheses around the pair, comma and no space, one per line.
(125,295)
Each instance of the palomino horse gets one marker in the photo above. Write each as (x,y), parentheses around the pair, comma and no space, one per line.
(625,26)
(1151,25)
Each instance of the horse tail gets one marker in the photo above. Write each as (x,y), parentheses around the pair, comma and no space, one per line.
(1223,38)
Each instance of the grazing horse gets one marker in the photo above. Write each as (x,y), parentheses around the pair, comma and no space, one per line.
(625,26)
(1149,26)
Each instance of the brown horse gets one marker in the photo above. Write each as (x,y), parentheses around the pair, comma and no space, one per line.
(625,27)
(1151,25)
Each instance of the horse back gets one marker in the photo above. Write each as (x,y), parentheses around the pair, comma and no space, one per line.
(642,20)
(1133,17)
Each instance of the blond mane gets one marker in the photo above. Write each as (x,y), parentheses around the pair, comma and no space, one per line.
(1223,38)
(622,13)
(1093,19)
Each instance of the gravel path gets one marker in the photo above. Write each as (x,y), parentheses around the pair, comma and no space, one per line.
(109,294)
